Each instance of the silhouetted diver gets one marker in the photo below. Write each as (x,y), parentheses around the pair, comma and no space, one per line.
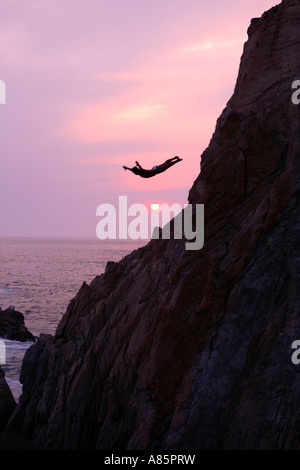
(138,170)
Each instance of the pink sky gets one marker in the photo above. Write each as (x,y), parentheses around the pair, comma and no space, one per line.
(92,85)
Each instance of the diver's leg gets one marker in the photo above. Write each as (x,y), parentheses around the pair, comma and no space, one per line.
(173,160)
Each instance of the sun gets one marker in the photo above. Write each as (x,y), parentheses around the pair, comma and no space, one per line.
(154,206)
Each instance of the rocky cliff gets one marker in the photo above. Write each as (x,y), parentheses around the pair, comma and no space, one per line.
(12,325)
(176,349)
(7,401)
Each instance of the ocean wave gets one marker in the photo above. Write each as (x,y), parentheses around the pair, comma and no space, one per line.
(15,388)
(9,290)
(13,344)
(13,382)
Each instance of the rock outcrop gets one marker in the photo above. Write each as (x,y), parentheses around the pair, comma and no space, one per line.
(12,325)
(7,401)
(172,349)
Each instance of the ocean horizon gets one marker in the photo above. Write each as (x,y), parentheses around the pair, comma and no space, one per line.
(39,276)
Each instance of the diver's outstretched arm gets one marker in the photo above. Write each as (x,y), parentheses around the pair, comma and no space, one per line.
(131,169)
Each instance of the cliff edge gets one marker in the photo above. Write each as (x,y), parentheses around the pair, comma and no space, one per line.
(172,349)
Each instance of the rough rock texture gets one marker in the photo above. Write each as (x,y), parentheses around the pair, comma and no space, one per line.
(175,349)
(7,402)
(12,325)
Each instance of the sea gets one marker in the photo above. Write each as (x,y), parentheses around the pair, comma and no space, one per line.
(40,276)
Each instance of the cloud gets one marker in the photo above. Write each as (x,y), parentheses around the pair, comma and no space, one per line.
(13,42)
(212,44)
(141,113)
(112,121)
(160,101)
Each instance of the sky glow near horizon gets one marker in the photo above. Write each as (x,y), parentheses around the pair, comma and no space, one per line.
(94,85)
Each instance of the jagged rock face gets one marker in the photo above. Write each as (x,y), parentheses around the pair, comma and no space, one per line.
(175,349)
(12,325)
(7,402)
